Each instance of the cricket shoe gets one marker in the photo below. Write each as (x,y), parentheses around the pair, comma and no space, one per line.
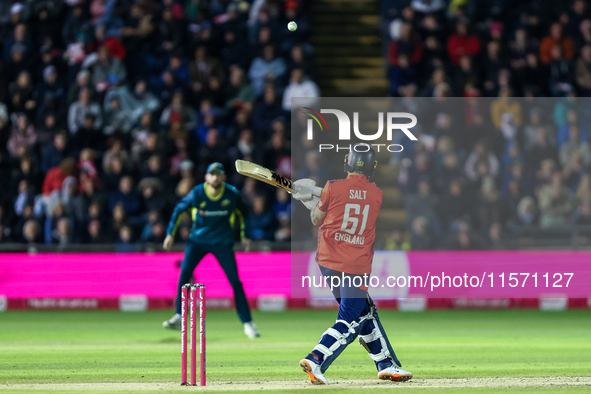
(251,330)
(394,373)
(174,323)
(313,371)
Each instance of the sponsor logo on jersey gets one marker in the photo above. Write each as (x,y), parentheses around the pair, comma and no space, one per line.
(212,213)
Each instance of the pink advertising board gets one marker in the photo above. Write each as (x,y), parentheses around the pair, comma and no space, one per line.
(53,280)
(104,275)
(481,274)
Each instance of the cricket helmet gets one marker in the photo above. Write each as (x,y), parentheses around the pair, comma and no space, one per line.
(361,157)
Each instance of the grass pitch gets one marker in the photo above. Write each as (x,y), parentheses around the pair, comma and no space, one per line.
(122,352)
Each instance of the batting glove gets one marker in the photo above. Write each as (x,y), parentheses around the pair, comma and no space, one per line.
(306,189)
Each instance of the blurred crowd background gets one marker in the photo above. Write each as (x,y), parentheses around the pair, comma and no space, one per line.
(485,170)
(503,158)
(110,111)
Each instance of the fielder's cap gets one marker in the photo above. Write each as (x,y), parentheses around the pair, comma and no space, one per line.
(213,167)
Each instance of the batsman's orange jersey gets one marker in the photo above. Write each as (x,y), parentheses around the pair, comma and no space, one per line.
(346,238)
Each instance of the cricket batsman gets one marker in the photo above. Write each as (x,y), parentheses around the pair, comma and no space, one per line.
(214,205)
(346,212)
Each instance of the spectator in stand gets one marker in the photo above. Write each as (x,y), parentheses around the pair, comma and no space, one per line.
(583,35)
(53,155)
(50,95)
(530,131)
(491,208)
(462,43)
(407,44)
(583,191)
(238,91)
(276,154)
(464,75)
(456,203)
(79,109)
(169,32)
(261,222)
(541,150)
(152,197)
(202,68)
(213,149)
(47,130)
(125,197)
(575,145)
(421,236)
(555,204)
(265,111)
(562,73)
(266,68)
(22,137)
(403,78)
(302,87)
(556,38)
(107,70)
(28,171)
(31,232)
(19,37)
(82,82)
(95,233)
(583,71)
(481,157)
(24,197)
(582,216)
(299,59)
(21,93)
(18,61)
(424,204)
(116,118)
(177,110)
(235,51)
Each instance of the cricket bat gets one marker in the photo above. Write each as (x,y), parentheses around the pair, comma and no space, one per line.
(263,174)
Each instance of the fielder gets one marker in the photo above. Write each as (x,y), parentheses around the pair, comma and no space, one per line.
(214,205)
(347,211)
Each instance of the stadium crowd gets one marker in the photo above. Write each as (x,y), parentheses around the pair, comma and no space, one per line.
(111,110)
(488,165)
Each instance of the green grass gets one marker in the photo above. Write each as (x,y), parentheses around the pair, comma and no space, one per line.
(110,346)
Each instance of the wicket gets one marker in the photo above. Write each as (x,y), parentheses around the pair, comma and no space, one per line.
(189,291)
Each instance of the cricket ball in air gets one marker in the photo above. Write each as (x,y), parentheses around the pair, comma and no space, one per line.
(292,26)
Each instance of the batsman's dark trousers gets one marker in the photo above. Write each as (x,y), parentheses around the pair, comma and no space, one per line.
(224,254)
